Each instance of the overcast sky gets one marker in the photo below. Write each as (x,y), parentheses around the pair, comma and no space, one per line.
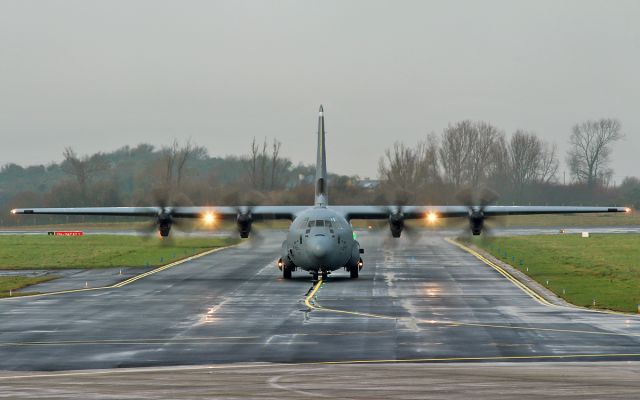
(97,75)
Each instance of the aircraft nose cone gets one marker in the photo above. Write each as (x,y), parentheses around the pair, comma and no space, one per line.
(319,246)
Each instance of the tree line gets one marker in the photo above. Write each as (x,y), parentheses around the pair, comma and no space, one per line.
(468,155)
(521,167)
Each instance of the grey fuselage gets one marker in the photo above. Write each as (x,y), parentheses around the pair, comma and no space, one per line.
(320,239)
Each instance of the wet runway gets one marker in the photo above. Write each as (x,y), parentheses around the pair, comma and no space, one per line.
(424,300)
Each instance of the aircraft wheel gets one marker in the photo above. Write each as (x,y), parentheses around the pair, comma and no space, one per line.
(324,275)
(353,273)
(314,275)
(286,273)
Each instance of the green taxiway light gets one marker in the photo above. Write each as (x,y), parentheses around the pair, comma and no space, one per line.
(355,236)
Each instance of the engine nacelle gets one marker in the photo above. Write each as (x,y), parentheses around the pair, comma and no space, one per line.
(396,224)
(164,225)
(243,222)
(476,222)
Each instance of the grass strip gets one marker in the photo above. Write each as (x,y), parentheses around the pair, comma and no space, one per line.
(9,284)
(602,271)
(99,251)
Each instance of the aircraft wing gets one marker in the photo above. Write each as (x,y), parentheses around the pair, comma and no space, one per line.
(290,212)
(257,212)
(417,212)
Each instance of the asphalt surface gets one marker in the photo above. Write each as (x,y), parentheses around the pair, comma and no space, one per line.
(349,381)
(420,301)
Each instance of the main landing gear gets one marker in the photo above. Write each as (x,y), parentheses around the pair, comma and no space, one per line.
(354,271)
(286,271)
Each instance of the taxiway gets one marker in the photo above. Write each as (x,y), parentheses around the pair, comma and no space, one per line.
(424,300)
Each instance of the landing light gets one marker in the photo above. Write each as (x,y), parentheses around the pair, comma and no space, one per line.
(209,218)
(627,210)
(14,211)
(432,217)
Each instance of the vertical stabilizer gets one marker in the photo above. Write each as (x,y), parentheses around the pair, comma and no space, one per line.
(322,199)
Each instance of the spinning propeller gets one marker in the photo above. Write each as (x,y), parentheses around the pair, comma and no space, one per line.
(476,203)
(165,219)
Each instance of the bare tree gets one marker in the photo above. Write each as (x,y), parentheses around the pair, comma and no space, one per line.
(183,155)
(471,153)
(169,155)
(176,157)
(265,170)
(590,150)
(275,163)
(488,154)
(530,160)
(407,171)
(254,154)
(82,169)
(398,168)
(549,165)
(427,165)
(455,151)
(263,165)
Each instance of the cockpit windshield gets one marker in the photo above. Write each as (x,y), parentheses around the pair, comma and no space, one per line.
(320,223)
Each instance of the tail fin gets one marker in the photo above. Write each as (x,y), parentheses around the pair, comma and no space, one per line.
(322,198)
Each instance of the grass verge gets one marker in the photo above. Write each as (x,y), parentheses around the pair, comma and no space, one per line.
(98,251)
(603,268)
(9,284)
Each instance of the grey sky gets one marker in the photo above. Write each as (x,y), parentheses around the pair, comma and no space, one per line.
(97,75)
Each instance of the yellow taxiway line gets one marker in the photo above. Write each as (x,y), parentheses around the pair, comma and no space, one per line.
(311,302)
(527,289)
(502,272)
(125,282)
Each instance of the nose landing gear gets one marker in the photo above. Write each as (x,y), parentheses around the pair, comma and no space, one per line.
(322,273)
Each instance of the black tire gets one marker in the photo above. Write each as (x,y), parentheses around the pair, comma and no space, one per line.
(314,276)
(324,275)
(286,273)
(353,273)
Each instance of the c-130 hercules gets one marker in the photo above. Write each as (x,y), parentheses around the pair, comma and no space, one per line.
(320,238)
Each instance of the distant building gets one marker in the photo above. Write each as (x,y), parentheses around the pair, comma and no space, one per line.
(367,183)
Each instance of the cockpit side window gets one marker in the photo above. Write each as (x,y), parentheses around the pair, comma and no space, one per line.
(327,223)
(312,224)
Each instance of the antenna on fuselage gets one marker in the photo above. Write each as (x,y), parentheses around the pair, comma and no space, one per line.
(322,198)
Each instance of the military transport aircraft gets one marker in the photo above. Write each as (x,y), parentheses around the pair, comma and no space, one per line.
(320,239)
